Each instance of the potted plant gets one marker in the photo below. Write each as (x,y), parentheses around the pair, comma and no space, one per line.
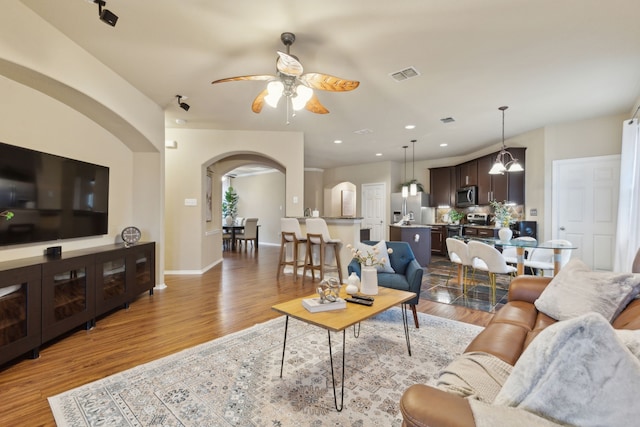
(502,219)
(230,205)
(455,217)
(6,214)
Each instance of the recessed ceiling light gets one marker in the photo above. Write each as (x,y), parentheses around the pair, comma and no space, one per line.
(447,120)
(378,154)
(444,144)
(410,127)
(337,141)
(363,131)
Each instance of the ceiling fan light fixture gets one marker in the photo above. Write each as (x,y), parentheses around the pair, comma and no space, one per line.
(275,89)
(303,95)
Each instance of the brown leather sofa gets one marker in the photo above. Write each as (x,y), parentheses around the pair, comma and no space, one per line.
(508,334)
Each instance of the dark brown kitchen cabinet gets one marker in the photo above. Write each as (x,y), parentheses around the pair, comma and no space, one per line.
(467,173)
(20,321)
(480,231)
(443,186)
(438,239)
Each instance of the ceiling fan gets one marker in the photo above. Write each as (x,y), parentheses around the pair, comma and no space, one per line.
(296,87)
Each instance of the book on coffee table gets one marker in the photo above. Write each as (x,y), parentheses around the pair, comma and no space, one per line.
(314,305)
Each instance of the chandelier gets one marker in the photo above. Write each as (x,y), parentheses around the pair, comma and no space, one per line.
(505,160)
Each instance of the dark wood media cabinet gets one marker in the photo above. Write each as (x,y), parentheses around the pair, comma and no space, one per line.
(42,298)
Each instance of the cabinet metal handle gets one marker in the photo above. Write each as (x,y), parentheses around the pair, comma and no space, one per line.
(562,228)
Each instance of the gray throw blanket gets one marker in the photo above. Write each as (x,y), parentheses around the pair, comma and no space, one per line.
(578,372)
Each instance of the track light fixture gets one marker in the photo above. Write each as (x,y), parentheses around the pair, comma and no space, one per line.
(106,15)
(182,105)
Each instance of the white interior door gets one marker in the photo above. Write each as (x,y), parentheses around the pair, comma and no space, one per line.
(374,208)
(585,207)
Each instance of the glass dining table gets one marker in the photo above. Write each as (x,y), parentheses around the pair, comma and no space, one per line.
(521,245)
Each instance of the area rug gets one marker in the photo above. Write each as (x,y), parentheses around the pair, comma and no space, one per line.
(235,380)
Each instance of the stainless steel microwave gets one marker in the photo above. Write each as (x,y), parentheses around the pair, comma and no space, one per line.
(467,196)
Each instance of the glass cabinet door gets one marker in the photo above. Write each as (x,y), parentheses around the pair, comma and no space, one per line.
(68,295)
(142,259)
(111,281)
(19,312)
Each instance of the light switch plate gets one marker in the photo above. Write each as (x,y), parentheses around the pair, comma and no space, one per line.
(191,202)
(533,212)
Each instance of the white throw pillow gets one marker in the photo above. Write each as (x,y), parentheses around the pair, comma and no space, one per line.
(576,372)
(381,246)
(577,290)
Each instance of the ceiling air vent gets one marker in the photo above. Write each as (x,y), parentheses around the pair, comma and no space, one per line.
(448,120)
(405,74)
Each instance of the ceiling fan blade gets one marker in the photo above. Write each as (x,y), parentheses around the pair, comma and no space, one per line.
(241,78)
(315,106)
(326,82)
(258,103)
(288,64)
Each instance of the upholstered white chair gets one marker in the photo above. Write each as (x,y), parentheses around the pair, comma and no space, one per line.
(250,233)
(510,252)
(318,238)
(487,258)
(459,254)
(291,235)
(541,260)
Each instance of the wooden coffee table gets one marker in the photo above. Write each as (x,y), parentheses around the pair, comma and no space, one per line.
(340,320)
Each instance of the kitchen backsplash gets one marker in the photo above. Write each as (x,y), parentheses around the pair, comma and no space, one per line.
(517,212)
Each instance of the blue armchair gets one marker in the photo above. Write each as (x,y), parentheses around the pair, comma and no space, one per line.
(407,276)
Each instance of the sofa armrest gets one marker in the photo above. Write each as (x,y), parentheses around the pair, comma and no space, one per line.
(422,406)
(527,288)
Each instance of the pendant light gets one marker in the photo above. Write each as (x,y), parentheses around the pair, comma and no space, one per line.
(505,160)
(405,189)
(413,188)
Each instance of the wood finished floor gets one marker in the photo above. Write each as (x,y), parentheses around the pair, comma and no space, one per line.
(234,295)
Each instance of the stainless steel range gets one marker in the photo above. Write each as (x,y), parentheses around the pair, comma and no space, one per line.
(476,218)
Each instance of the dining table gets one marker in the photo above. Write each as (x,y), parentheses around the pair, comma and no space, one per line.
(521,245)
(234,230)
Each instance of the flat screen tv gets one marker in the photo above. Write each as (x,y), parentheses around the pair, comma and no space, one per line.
(51,197)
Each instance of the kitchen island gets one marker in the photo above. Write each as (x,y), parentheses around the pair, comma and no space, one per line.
(418,236)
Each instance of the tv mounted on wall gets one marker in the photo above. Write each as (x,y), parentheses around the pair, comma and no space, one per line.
(51,197)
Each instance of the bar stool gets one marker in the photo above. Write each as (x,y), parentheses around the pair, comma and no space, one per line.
(318,236)
(291,233)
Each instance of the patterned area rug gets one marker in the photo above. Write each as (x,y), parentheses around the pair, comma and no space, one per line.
(235,380)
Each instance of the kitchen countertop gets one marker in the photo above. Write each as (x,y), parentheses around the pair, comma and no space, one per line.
(411,226)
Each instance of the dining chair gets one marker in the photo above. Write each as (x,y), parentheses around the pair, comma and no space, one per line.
(250,233)
(487,258)
(291,234)
(541,261)
(459,254)
(318,237)
(510,253)
(226,240)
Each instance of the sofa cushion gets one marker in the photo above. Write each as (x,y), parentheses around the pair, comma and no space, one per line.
(578,372)
(577,290)
(380,249)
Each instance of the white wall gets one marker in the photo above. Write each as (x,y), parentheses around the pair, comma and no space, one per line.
(57,98)
(193,245)
(263,196)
